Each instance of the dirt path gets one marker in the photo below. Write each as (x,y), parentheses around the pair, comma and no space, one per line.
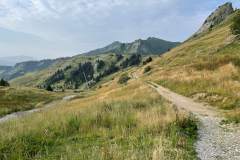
(25,113)
(216,142)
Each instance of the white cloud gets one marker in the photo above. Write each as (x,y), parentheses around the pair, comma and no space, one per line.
(19,10)
(86,24)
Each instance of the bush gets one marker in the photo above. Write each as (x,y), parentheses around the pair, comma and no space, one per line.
(123,79)
(119,57)
(236,62)
(235,27)
(100,64)
(49,88)
(147,69)
(148,60)
(67,68)
(4,83)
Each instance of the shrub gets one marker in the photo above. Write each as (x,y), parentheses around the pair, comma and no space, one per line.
(4,83)
(100,64)
(119,57)
(147,69)
(49,88)
(235,27)
(148,60)
(67,68)
(236,62)
(188,127)
(123,78)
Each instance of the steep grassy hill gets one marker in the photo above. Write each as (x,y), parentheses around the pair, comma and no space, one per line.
(206,68)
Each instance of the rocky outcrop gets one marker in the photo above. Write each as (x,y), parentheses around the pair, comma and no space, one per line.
(216,17)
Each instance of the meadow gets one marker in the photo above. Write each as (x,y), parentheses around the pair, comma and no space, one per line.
(14,99)
(118,122)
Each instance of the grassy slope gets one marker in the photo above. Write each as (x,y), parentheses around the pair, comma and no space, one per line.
(206,68)
(34,79)
(21,99)
(117,122)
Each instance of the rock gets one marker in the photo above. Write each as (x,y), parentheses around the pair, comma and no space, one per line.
(199,96)
(218,16)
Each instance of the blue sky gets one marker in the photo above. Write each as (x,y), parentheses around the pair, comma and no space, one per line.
(56,28)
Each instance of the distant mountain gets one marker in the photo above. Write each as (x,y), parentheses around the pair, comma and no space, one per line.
(12,60)
(144,47)
(24,67)
(4,69)
(67,72)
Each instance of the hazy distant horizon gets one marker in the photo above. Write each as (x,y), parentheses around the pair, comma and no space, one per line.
(49,29)
(41,58)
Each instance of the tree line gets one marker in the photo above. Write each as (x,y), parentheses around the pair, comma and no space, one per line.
(86,73)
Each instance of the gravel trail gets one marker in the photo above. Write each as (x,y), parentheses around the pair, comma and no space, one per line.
(28,112)
(216,141)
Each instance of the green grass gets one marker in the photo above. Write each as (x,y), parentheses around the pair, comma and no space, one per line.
(109,130)
(21,99)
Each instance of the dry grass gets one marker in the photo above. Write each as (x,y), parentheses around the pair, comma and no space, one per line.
(13,99)
(208,65)
(117,122)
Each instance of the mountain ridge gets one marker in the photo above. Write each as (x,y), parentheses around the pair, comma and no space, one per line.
(13,60)
(149,46)
(216,17)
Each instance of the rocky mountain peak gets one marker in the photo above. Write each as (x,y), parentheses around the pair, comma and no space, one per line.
(219,15)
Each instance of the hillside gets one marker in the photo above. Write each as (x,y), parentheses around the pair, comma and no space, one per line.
(111,123)
(73,73)
(21,99)
(149,46)
(4,69)
(69,72)
(205,68)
